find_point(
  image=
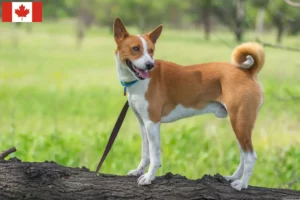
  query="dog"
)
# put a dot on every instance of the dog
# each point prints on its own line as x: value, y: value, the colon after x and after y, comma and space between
x: 161, y: 92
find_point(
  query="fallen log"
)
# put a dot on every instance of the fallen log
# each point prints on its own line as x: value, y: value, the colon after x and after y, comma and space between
x: 48, y: 180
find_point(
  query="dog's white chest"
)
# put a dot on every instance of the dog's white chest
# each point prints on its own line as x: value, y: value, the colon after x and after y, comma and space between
x: 136, y: 98
x: 181, y: 112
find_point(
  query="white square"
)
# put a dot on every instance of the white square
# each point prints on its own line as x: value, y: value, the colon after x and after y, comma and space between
x: 16, y: 18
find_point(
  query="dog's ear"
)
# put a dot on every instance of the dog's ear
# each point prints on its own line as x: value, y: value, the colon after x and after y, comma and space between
x: 120, y: 31
x: 154, y: 35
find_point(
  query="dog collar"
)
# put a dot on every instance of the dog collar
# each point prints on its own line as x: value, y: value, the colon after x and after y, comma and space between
x: 127, y: 85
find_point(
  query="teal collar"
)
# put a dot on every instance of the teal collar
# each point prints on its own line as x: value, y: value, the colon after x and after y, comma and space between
x: 127, y: 85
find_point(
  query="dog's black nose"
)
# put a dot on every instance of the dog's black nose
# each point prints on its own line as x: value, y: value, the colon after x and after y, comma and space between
x: 149, y: 65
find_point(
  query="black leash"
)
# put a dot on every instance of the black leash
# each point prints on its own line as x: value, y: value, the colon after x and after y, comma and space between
x: 113, y: 134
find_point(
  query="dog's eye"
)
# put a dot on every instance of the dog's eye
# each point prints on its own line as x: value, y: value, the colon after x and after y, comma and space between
x: 150, y: 50
x: 136, y: 48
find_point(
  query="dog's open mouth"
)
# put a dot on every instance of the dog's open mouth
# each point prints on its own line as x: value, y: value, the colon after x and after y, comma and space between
x: 140, y: 73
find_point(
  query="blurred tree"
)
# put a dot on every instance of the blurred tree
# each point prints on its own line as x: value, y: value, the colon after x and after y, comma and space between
x: 202, y: 11
x: 86, y: 13
x: 281, y: 14
x: 231, y: 14
x: 240, y: 15
x: 55, y: 9
x: 132, y: 12
x: 261, y: 5
x: 294, y: 24
x: 173, y: 12
x: 177, y: 13
x: 206, y: 9
x: 293, y: 17
x: 276, y: 11
x: 146, y: 14
x: 84, y: 20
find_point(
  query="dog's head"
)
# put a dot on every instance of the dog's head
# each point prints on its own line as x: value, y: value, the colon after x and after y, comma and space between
x: 136, y: 51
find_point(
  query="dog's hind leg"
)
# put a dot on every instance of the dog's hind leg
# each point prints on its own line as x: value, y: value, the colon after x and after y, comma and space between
x: 242, y: 120
x: 239, y: 171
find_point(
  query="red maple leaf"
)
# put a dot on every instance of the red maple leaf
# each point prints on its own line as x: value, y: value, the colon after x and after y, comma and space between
x: 22, y: 12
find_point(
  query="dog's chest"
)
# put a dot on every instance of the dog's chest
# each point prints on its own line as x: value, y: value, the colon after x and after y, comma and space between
x: 136, y: 97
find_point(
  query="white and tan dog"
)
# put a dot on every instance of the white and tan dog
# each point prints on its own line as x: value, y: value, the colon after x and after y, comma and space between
x: 166, y: 92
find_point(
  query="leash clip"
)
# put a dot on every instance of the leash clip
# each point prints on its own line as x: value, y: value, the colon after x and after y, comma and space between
x: 127, y: 85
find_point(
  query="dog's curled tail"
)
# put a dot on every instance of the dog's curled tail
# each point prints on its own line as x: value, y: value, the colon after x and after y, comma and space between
x: 250, y: 56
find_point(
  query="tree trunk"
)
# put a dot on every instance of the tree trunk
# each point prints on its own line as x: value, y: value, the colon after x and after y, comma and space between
x: 260, y: 21
x: 85, y: 19
x: 280, y: 29
x: 240, y: 13
x: 175, y: 18
x: 278, y: 20
x: 21, y: 180
x: 80, y: 31
x: 205, y: 15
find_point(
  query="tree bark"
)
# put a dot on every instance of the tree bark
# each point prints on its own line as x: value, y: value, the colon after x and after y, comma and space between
x: 280, y: 29
x: 260, y: 21
x: 278, y: 20
x: 240, y: 14
x: 85, y: 18
x: 205, y: 16
x: 48, y: 180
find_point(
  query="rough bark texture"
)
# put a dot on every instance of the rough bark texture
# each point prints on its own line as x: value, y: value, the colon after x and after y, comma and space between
x: 48, y: 180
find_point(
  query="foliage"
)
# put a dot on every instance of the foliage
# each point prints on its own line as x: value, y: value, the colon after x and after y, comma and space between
x: 260, y: 3
x: 175, y: 13
x: 289, y: 15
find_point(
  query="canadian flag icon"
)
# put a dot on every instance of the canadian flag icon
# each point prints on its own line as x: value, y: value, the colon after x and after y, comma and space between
x: 22, y: 12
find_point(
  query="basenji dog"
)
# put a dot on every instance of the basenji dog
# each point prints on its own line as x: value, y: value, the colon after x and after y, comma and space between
x: 161, y: 92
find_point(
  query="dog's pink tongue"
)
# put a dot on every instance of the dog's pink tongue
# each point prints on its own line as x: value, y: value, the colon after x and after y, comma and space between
x: 142, y: 73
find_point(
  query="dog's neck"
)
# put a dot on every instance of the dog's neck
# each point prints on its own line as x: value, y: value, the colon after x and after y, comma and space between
x: 124, y: 74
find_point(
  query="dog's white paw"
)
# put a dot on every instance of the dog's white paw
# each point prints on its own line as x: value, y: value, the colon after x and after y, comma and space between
x: 145, y: 179
x: 135, y: 172
x: 239, y: 185
x: 231, y: 178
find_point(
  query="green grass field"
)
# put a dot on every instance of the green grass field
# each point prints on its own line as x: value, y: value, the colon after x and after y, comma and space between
x: 60, y: 103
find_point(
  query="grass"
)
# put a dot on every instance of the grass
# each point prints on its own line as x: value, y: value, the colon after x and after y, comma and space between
x: 60, y: 103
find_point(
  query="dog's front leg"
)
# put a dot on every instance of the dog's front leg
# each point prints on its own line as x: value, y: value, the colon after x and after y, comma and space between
x: 153, y: 136
x: 145, y: 153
